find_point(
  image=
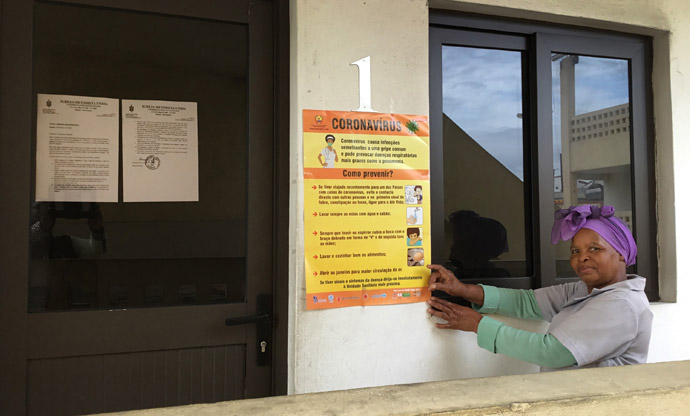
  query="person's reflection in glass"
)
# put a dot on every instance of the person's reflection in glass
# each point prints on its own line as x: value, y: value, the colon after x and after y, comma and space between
x: 59, y: 285
x: 476, y: 241
x: 45, y: 245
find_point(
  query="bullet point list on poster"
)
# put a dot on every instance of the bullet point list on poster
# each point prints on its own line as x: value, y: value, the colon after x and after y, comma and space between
x: 354, y: 214
x: 352, y: 255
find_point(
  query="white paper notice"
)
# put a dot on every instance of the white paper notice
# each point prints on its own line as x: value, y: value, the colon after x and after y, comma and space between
x: 76, y: 148
x: 160, y: 159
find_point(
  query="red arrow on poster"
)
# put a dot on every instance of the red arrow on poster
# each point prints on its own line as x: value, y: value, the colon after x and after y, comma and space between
x: 316, y: 274
x: 315, y: 214
x: 315, y: 256
x: 315, y: 233
x: 313, y: 187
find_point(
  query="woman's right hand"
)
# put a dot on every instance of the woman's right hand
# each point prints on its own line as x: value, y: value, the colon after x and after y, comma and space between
x: 444, y: 280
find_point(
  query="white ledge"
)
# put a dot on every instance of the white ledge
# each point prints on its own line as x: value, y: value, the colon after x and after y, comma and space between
x: 662, y: 388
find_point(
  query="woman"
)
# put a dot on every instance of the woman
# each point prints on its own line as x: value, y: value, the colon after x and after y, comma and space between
x: 603, y: 320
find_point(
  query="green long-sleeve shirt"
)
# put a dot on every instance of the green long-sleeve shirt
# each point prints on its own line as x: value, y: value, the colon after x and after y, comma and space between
x: 542, y: 349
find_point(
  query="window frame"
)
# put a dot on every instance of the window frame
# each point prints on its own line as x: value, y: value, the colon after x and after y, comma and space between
x: 537, y: 41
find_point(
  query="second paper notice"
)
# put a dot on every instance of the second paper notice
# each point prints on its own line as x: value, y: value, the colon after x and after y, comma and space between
x: 159, y: 151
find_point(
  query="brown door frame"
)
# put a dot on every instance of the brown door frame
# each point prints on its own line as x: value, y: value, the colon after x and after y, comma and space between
x: 16, y: 21
x: 281, y: 180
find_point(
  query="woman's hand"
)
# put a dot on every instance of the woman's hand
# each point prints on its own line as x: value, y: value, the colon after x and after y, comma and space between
x: 457, y: 317
x: 444, y: 280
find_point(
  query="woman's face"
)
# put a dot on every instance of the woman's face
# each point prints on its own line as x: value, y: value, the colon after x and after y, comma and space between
x: 595, y: 261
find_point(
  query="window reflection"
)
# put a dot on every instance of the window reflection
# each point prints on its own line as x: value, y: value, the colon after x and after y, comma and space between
x: 125, y: 255
x: 591, y: 131
x: 45, y: 244
x: 483, y: 162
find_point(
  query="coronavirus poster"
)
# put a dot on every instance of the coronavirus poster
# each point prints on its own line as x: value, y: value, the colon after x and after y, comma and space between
x: 366, y: 208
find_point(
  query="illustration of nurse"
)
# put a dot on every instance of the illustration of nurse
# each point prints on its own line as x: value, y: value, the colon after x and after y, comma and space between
x: 329, y: 154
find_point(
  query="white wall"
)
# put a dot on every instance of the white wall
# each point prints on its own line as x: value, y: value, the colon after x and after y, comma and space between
x: 359, y: 347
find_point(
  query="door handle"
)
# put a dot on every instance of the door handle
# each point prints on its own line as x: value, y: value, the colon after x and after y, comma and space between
x: 264, y: 328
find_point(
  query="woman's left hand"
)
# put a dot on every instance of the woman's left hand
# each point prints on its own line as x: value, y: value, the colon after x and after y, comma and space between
x: 457, y: 317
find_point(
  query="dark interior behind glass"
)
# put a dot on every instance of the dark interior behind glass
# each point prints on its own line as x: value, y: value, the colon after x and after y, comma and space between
x: 153, y: 254
x: 483, y: 164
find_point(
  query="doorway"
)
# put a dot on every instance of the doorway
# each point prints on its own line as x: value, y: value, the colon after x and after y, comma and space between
x: 136, y: 300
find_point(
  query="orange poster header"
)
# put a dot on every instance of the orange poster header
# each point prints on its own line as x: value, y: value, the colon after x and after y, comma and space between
x: 385, y: 124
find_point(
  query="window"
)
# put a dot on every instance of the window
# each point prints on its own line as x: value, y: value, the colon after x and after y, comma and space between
x: 156, y: 253
x: 504, y: 95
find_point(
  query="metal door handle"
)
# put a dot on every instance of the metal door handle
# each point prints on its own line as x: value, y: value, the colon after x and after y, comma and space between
x: 264, y: 328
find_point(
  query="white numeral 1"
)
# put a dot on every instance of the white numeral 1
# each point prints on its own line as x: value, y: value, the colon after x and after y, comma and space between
x: 364, y: 66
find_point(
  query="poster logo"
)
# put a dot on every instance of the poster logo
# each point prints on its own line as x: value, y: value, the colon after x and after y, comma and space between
x: 382, y: 295
x: 317, y: 123
x: 412, y: 126
x: 131, y: 108
x: 49, y: 103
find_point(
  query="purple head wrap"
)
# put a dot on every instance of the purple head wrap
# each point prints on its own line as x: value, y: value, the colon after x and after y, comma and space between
x: 601, y: 220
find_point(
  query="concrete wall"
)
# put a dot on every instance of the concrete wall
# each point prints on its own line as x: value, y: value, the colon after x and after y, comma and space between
x: 359, y: 347
x: 637, y: 390
x: 600, y: 153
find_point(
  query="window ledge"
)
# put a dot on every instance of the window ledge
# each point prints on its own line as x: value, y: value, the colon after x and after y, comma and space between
x: 662, y: 388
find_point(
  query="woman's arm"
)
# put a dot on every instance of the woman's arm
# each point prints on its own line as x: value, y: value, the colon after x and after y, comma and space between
x: 541, y: 349
x: 492, y: 335
x: 486, y: 299
x: 519, y: 303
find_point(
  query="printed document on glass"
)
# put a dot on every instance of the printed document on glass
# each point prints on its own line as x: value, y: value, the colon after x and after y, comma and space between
x: 76, y: 148
x: 159, y: 151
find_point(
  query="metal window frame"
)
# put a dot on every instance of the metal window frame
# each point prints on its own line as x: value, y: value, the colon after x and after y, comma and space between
x: 538, y: 40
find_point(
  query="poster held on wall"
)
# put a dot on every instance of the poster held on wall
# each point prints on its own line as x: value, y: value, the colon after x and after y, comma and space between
x: 367, y: 212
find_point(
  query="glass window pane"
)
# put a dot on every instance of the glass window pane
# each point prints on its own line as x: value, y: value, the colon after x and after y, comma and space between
x: 484, y: 185
x: 155, y: 254
x: 591, y: 131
